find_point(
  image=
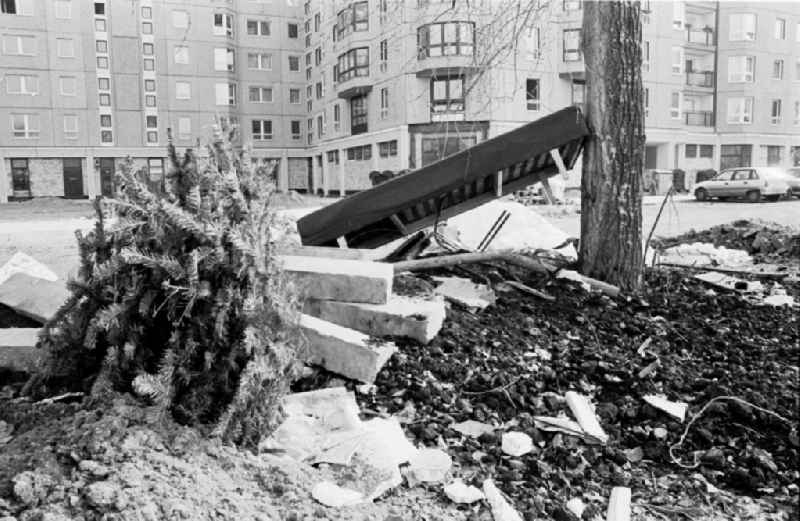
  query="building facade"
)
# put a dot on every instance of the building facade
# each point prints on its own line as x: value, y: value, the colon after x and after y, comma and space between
x: 327, y: 92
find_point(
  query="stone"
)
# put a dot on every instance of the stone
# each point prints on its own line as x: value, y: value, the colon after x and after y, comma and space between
x: 516, y: 444
x: 31, y: 487
x: 332, y: 495
x: 428, y: 465
x: 415, y: 318
x: 340, y: 279
x: 23, y: 263
x: 33, y: 297
x: 472, y: 428
x: 18, y: 349
x: 344, y: 351
x: 458, y: 492
x: 101, y: 494
x: 501, y: 509
x: 465, y: 292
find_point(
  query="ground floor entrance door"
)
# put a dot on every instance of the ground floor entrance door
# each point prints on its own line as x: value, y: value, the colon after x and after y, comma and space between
x: 73, y: 177
x: 107, y: 176
x: 20, y: 178
x: 650, y: 157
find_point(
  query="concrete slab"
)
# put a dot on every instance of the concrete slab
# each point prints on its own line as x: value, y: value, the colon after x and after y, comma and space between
x: 18, y: 349
x: 340, y: 279
x: 343, y: 350
x: 415, y: 318
x: 328, y: 252
x: 33, y: 297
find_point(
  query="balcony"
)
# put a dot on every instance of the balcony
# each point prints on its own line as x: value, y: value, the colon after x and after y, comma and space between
x: 443, y: 66
x: 701, y: 118
x: 702, y: 79
x: 700, y: 38
x: 572, y: 69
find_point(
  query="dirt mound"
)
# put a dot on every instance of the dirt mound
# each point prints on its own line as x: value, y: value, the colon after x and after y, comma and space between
x: 765, y: 241
x: 110, y: 462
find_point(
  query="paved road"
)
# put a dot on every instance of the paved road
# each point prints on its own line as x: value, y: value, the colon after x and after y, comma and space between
x: 684, y: 215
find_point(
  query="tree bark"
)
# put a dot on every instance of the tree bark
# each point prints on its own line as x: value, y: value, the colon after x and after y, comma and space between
x: 611, y: 202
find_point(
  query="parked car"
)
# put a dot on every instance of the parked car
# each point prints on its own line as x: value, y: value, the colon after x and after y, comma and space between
x: 793, y: 179
x: 751, y: 183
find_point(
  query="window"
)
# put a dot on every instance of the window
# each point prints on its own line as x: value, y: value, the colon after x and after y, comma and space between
x: 261, y: 129
x: 797, y: 70
x: 149, y: 64
x: 384, y: 54
x: 18, y: 7
x: 316, y: 23
x: 223, y: 25
x: 317, y: 56
x: 777, y: 70
x: 774, y: 155
x: 294, y: 63
x: 180, y: 19
x: 294, y: 96
x: 184, y: 128
x: 797, y: 112
x: 155, y: 169
x: 387, y: 148
x: 152, y: 137
x: 675, y: 105
x: 578, y: 92
x: 706, y: 151
x: 572, y: 5
x: 100, y: 25
x: 355, y: 17
x: 68, y: 85
x: 308, y: 59
x: 677, y: 60
x: 780, y: 29
x: 65, y: 47
x: 353, y: 63
x: 360, y: 153
x: 691, y: 151
x: 572, y: 45
x: 308, y: 40
x: 147, y: 28
x: 106, y: 136
x: 259, y: 61
x: 147, y: 49
x: 320, y: 90
x: 181, y: 53
x: 70, y: 126
x: 309, y: 91
x: 678, y: 14
x: 358, y: 115
x: 18, y: 44
x: 257, y: 28
x: 646, y: 102
x: 337, y: 117
x: 151, y: 121
x: 223, y: 59
x: 25, y: 125
x: 63, y: 9
x: 308, y: 74
x: 295, y: 128
x: 292, y: 30
x: 532, y: 94
x: 183, y: 90
x: 105, y: 120
x: 447, y: 95
x: 740, y: 110
x: 307, y: 26
x: 101, y: 46
x: 742, y: 27
x: 775, y: 112
x: 741, y: 69
x: 149, y: 100
x: 646, y: 56
x: 103, y: 83
x: 105, y: 100
x: 22, y: 84
x: 333, y: 156
x: 446, y: 39
x: 320, y: 126
x: 147, y: 13
x: 260, y: 94
x: 384, y: 103
x: 149, y: 85
x: 225, y: 93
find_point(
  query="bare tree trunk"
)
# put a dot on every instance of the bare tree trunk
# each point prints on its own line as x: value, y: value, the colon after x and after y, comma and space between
x: 611, y: 203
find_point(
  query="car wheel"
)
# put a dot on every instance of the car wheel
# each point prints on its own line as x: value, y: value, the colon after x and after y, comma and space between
x: 754, y: 196
x: 701, y: 194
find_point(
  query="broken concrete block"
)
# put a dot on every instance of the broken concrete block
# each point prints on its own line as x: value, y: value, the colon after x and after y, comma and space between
x: 18, y: 349
x: 33, y: 297
x: 24, y: 263
x: 401, y: 316
x: 340, y: 279
x: 344, y: 350
x: 465, y: 292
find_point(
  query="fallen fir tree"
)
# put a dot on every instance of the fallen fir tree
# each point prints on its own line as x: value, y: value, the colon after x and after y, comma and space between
x: 180, y: 301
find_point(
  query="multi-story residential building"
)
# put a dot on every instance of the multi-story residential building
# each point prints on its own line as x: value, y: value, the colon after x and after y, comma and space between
x: 327, y: 91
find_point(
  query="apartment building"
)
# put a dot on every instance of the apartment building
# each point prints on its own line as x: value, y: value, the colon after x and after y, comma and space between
x: 326, y: 92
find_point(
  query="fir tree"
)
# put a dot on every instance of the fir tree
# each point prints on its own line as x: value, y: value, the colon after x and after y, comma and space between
x: 180, y: 301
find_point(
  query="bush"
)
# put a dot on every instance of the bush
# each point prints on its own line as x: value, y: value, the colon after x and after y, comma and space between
x: 180, y: 301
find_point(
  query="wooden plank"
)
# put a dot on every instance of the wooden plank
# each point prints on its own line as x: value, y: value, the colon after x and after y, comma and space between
x: 362, y: 210
x: 548, y: 192
x: 556, y: 155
